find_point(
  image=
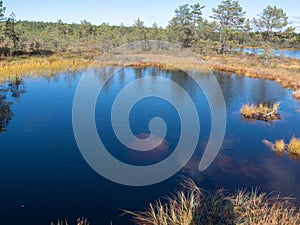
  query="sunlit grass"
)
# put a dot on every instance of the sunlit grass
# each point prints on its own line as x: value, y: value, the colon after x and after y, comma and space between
x: 195, y: 207
x: 279, y: 145
x: 39, y: 67
x: 180, y: 209
x: 285, y: 71
x: 248, y: 110
x: 254, y: 208
x: 294, y: 146
x: 296, y: 94
x: 261, y: 111
x: 275, y: 106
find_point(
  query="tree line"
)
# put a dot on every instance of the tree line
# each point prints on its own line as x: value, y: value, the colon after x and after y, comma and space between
x: 225, y: 31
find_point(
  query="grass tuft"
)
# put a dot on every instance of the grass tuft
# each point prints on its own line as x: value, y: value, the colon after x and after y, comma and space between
x: 294, y: 146
x: 261, y: 111
x: 193, y: 207
x: 279, y: 145
x: 80, y: 221
x: 248, y: 110
x: 179, y: 209
x: 296, y: 94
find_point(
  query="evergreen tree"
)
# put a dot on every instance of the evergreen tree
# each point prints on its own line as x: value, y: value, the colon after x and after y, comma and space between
x: 271, y: 18
x: 230, y: 17
x: 10, y: 30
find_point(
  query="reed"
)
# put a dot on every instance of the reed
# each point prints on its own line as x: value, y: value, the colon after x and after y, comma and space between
x: 80, y: 221
x: 248, y: 110
x: 193, y: 206
x: 35, y: 67
x: 284, y: 71
x: 261, y: 111
x: 279, y: 145
x: 294, y: 146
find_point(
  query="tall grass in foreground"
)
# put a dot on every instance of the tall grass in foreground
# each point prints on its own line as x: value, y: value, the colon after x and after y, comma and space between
x: 179, y: 210
x: 195, y: 207
x: 81, y: 221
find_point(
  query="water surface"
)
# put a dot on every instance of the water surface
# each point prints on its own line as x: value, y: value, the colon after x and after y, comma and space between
x: 44, y: 177
x: 279, y: 53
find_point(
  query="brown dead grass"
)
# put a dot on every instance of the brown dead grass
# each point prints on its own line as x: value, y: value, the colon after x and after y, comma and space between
x: 284, y: 71
x: 261, y: 111
x: 294, y: 146
x: 296, y: 94
x: 279, y: 145
x: 38, y: 66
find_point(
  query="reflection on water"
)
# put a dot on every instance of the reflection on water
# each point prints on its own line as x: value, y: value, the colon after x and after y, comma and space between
x: 5, y: 113
x: 44, y: 177
x: 15, y: 89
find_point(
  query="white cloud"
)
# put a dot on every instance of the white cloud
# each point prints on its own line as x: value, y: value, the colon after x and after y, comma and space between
x: 294, y: 21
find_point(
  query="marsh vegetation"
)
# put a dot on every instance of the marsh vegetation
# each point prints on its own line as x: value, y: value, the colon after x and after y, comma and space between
x: 35, y: 48
x: 43, y: 49
x: 196, y: 206
x: 261, y: 111
x: 292, y: 147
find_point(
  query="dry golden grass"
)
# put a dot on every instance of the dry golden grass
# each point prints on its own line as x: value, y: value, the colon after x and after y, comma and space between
x: 253, y: 208
x: 294, y: 146
x: 279, y: 145
x: 296, y: 94
x: 46, y: 66
x: 80, y: 221
x: 179, y: 209
x: 39, y: 67
x: 261, y: 111
x: 285, y: 71
x: 275, y: 106
x: 185, y: 61
x: 195, y: 207
x: 248, y: 109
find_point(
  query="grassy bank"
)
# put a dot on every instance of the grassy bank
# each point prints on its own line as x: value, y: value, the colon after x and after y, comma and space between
x: 282, y: 70
x: 285, y: 71
x: 39, y: 66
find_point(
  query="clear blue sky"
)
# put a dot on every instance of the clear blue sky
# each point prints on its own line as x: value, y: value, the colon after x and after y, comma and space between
x: 116, y: 11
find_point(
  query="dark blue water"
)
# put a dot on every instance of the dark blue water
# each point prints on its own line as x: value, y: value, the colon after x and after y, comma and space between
x: 44, y: 177
x: 279, y: 53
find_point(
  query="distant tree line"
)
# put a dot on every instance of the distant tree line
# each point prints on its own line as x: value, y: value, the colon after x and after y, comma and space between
x: 226, y: 31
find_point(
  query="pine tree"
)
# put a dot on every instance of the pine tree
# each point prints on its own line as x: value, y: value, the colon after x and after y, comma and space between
x: 230, y: 17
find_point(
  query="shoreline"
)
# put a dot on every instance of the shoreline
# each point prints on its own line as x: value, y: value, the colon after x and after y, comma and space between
x: 285, y: 71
